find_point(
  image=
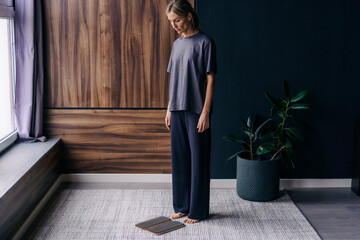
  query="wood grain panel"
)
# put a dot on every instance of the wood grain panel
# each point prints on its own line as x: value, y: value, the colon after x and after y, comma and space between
x: 111, y: 141
x: 107, y: 53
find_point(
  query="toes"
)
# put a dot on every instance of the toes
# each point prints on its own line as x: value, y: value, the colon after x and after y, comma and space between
x: 190, y: 221
x: 177, y: 215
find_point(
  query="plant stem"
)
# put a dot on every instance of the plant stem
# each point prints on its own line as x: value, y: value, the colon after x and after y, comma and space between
x: 284, y: 118
x: 282, y: 127
x: 251, y: 149
x: 277, y: 153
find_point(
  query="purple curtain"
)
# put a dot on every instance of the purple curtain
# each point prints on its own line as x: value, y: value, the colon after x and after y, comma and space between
x: 29, y: 70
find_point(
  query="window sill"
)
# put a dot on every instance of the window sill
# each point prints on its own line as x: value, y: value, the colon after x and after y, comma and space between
x: 19, y: 159
x: 27, y: 172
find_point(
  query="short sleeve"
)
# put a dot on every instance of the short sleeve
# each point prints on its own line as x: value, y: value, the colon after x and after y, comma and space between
x: 170, y: 60
x: 169, y: 66
x: 210, y: 57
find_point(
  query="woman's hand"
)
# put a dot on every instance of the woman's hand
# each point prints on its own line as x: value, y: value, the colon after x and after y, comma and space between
x: 203, y: 123
x: 167, y: 119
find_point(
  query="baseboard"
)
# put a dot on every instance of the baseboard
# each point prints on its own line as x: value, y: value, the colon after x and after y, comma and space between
x: 115, y: 177
x: 214, y: 183
x: 316, y: 183
x: 25, y: 226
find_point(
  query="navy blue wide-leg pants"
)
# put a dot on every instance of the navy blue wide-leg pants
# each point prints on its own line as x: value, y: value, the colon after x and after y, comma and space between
x: 190, y: 161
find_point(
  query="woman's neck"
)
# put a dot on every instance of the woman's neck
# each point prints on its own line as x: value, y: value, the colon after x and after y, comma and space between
x: 190, y: 32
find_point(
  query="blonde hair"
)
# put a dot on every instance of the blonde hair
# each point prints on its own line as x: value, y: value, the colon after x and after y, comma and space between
x: 183, y: 8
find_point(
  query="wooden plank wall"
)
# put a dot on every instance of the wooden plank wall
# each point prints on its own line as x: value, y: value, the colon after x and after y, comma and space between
x: 109, y: 141
x: 106, y: 86
x: 107, y: 53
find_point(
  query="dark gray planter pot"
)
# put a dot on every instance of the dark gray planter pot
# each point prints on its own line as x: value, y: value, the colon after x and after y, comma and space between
x: 257, y: 180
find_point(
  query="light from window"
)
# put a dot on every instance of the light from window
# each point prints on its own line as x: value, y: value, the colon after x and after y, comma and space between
x: 7, y: 79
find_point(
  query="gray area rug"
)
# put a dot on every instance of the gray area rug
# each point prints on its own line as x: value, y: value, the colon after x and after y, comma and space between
x: 113, y: 213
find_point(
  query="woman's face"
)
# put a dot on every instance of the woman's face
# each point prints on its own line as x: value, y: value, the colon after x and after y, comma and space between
x: 181, y: 24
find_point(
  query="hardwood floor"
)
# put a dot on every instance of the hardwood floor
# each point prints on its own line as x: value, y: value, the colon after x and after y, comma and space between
x: 333, y: 212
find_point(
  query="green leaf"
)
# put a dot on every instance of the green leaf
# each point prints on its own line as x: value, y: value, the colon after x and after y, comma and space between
x: 288, y: 144
x: 251, y: 121
x: 294, y: 133
x: 283, y: 115
x: 282, y: 139
x: 299, y: 96
x: 235, y: 154
x: 283, y: 158
x: 262, y: 151
x: 286, y: 89
x: 266, y: 148
x: 300, y: 106
x: 283, y: 104
x: 232, y: 138
x: 244, y: 122
x: 272, y: 99
x: 267, y: 136
x: 260, y: 128
x: 274, y: 110
x: 288, y: 156
x: 250, y: 134
x: 286, y: 159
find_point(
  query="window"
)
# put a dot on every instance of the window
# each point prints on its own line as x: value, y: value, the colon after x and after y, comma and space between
x: 8, y: 132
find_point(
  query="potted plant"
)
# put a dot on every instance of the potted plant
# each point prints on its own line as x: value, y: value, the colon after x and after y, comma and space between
x: 265, y: 144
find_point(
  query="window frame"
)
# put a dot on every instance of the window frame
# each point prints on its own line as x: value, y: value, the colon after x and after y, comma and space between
x: 12, y: 136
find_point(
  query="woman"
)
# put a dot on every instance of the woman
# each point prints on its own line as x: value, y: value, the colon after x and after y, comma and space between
x: 192, y: 67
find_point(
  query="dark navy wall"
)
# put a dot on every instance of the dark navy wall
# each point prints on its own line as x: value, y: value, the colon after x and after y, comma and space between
x: 314, y: 45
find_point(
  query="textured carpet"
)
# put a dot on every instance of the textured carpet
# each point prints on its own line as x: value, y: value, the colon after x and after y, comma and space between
x: 112, y: 214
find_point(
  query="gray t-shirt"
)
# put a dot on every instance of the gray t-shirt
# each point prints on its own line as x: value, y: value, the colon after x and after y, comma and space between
x: 192, y: 58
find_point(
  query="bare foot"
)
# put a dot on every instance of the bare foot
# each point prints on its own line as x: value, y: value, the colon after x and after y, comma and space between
x: 189, y: 220
x: 177, y: 215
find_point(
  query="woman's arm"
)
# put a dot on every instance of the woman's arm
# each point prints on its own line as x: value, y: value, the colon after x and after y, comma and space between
x: 168, y: 117
x: 204, y: 120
